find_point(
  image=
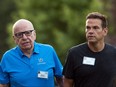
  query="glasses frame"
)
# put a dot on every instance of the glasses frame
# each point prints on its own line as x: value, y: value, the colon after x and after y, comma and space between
x: 27, y: 33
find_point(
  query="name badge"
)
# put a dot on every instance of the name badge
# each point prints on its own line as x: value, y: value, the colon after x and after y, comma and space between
x: 42, y: 74
x: 88, y: 60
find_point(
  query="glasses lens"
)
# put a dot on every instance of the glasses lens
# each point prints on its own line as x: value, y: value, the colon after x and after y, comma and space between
x: 28, y: 33
x: 20, y: 34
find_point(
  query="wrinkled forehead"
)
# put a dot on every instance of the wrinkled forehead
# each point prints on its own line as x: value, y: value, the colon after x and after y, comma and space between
x: 21, y: 26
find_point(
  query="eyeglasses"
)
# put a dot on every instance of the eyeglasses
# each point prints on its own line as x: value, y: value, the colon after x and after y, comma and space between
x: 27, y: 33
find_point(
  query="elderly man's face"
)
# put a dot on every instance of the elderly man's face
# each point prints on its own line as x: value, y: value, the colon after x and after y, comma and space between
x: 24, y: 35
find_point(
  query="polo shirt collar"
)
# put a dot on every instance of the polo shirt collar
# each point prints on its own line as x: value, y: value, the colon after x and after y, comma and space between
x: 35, y: 50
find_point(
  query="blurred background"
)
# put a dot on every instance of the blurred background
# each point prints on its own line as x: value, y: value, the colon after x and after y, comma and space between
x: 60, y: 23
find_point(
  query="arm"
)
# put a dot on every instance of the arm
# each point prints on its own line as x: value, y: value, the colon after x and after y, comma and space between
x: 68, y: 82
x: 59, y: 81
x: 4, y: 85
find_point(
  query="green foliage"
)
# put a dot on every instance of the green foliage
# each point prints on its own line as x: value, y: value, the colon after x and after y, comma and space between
x: 60, y: 23
x: 57, y: 22
x: 6, y: 9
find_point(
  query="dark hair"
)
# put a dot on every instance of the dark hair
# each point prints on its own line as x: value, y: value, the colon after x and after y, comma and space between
x: 97, y: 15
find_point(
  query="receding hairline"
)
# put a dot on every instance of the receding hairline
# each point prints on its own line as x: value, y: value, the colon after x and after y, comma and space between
x: 19, y: 22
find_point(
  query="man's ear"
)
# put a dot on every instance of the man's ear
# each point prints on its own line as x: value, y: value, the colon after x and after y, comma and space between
x: 35, y: 35
x: 14, y: 39
x: 105, y: 31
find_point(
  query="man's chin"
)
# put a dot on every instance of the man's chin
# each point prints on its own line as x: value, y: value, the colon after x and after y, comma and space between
x: 91, y: 41
x: 26, y: 48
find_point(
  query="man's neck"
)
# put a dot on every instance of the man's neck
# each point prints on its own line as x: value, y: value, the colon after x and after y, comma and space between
x: 28, y: 53
x: 96, y: 47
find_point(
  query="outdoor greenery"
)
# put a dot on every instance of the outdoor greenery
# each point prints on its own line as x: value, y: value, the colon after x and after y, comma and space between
x: 60, y: 23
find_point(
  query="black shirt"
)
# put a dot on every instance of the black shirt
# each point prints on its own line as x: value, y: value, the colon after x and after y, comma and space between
x: 91, y: 69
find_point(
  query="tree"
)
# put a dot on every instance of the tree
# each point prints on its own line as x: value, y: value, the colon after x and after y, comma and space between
x: 60, y: 23
x: 109, y: 7
x: 7, y: 7
x: 57, y: 22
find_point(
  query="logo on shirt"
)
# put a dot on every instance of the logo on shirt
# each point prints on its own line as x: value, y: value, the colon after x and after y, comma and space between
x: 41, y: 61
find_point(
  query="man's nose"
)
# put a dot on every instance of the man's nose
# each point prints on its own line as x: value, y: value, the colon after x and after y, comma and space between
x: 24, y: 35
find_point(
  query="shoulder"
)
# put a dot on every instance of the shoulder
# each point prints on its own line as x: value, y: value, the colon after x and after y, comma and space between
x: 12, y: 50
x: 43, y: 46
x: 78, y: 47
x: 109, y: 46
x: 8, y: 54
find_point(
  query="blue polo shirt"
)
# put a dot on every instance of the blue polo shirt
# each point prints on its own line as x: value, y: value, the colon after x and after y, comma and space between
x: 21, y: 71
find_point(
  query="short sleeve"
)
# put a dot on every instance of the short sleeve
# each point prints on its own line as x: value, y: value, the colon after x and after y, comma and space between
x: 4, y: 77
x: 69, y: 66
x: 58, y: 66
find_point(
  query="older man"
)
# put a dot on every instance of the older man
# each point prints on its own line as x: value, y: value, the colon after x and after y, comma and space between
x: 29, y: 64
